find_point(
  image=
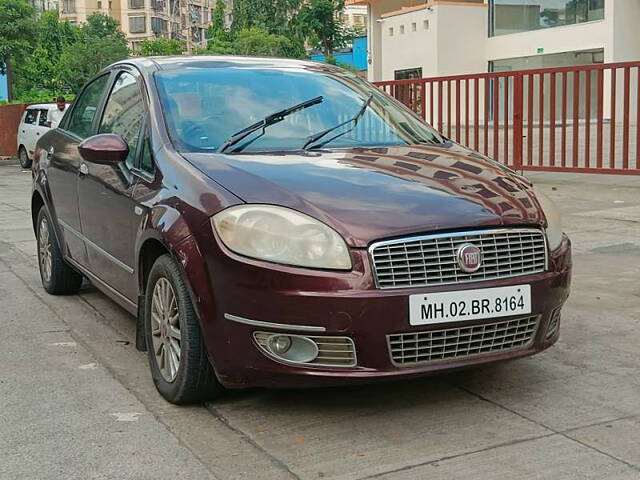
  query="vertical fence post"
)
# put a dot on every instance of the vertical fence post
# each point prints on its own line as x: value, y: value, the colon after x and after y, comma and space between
x: 518, y: 116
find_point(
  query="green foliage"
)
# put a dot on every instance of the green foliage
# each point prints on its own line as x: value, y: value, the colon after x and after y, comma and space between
x: 99, y: 43
x: 39, y: 70
x: 322, y: 27
x: 17, y: 29
x: 217, y: 30
x: 254, y: 41
x: 161, y: 46
x: 219, y: 47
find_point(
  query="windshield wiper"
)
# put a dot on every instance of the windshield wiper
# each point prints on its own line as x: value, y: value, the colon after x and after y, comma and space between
x: 265, y: 122
x: 315, y: 137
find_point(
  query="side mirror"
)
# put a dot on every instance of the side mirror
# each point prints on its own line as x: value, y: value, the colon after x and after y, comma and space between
x: 104, y: 149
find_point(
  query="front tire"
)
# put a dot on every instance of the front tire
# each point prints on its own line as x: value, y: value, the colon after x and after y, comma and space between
x: 57, y: 277
x: 23, y: 157
x: 178, y: 359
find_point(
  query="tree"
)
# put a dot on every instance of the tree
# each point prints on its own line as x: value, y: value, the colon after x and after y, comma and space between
x: 17, y: 27
x: 319, y: 20
x: 40, y: 68
x: 217, y: 28
x: 254, y: 41
x: 161, y: 46
x: 99, y: 44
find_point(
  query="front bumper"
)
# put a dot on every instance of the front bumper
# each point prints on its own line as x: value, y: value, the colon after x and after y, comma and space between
x: 345, y: 304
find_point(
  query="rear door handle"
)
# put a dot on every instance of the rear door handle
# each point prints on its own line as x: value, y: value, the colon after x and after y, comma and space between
x: 84, y: 169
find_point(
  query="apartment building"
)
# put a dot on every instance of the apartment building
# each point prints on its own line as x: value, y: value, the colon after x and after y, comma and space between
x: 355, y: 16
x: 147, y: 19
x: 414, y: 38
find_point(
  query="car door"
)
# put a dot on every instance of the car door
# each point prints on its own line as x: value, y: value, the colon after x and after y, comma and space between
x: 107, y: 210
x: 64, y: 163
x: 27, y: 132
x: 41, y: 127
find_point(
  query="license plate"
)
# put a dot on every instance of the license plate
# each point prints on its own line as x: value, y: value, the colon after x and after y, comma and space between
x: 444, y: 307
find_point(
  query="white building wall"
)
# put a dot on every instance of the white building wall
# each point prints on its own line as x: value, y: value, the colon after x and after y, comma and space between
x: 457, y: 40
x: 461, y: 28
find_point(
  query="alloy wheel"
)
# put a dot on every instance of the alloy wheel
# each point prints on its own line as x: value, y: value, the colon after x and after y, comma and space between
x: 44, y: 250
x: 165, y: 329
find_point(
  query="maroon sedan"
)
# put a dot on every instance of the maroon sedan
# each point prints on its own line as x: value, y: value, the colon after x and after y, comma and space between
x: 284, y: 223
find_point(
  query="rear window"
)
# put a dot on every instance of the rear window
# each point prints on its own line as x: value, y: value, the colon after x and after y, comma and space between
x: 31, y: 116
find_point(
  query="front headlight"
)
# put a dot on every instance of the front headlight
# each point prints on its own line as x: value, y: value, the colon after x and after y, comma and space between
x: 552, y: 214
x: 281, y: 235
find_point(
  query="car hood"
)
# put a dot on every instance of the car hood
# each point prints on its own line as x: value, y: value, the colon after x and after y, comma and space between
x: 369, y: 194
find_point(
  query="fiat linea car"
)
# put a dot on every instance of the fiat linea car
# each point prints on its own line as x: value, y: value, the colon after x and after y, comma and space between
x: 284, y: 223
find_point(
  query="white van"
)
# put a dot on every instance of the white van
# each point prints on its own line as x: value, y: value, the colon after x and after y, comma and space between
x: 35, y: 123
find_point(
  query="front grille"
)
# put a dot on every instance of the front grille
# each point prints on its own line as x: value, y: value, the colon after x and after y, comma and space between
x: 431, y: 259
x: 409, y: 349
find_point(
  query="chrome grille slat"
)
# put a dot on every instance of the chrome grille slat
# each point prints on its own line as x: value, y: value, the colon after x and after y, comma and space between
x: 407, y: 349
x: 431, y: 260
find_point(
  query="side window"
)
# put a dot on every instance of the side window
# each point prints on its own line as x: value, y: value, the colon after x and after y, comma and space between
x: 146, y: 156
x: 42, y: 121
x: 124, y: 112
x: 85, y: 108
x: 30, y: 117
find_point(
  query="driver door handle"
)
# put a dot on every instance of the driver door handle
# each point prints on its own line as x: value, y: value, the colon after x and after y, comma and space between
x: 84, y: 169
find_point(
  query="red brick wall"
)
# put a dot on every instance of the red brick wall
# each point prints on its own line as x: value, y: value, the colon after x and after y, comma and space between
x: 10, y: 116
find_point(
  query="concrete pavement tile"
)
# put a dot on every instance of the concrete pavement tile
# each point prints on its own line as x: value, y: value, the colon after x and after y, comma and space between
x: 554, y: 457
x: 89, y: 428
x: 21, y: 234
x: 630, y: 213
x: 365, y: 430
x: 570, y: 402
x: 620, y: 439
x: 29, y: 248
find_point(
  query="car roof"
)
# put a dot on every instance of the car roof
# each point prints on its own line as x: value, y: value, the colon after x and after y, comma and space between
x: 220, y: 61
x: 41, y: 106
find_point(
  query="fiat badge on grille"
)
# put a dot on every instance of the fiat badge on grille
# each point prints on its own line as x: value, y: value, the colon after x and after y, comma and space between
x: 469, y: 258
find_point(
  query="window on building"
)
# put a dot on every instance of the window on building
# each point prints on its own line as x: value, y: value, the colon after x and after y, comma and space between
x: 425, y: 24
x: 68, y: 6
x: 99, y: 5
x: 137, y: 24
x: 512, y: 16
x: 391, y: 31
x: 136, y: 4
x: 414, y: 27
x: 402, y: 29
x: 407, y: 73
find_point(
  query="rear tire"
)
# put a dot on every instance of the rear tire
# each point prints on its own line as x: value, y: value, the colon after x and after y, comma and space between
x: 57, y: 277
x: 23, y: 156
x: 178, y: 359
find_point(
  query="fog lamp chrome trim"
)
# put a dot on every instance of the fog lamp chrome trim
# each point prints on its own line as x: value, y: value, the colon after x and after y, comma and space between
x: 332, y: 352
x: 281, y: 326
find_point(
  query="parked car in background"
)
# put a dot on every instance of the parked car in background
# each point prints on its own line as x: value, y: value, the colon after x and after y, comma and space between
x: 35, y: 122
x: 277, y: 222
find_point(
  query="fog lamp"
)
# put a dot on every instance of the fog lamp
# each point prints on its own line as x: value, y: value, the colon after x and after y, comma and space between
x: 280, y: 344
x: 291, y: 348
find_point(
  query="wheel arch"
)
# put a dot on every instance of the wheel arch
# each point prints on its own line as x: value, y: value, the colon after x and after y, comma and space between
x: 37, y: 202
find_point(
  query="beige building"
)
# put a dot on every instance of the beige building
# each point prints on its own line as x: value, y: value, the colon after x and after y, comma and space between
x: 147, y: 19
x: 355, y: 16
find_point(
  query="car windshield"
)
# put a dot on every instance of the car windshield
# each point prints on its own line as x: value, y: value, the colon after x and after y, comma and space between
x: 204, y: 107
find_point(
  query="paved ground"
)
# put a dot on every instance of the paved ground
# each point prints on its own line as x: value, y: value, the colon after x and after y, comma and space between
x: 77, y: 402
